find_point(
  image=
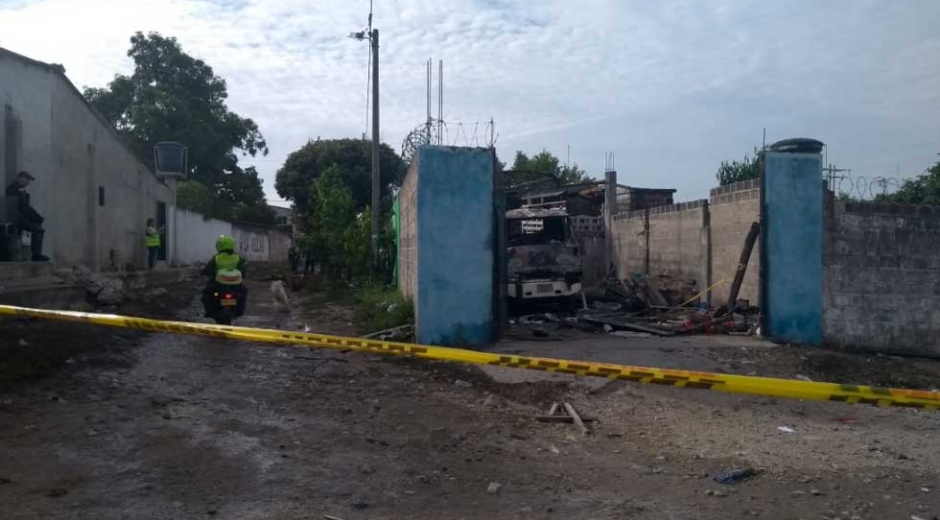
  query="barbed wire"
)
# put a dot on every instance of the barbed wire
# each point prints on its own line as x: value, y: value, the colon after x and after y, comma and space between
x: 471, y: 135
x: 864, y: 188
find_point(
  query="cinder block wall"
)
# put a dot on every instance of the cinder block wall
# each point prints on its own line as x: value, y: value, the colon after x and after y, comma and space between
x: 678, y: 244
x: 629, y: 236
x: 733, y: 208
x: 673, y: 238
x: 447, y: 251
x: 408, y: 238
x: 699, y: 240
x: 881, y: 277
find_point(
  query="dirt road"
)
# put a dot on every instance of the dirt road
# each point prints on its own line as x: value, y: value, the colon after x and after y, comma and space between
x: 176, y: 427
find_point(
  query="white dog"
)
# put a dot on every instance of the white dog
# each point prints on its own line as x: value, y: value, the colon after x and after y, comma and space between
x: 280, y: 295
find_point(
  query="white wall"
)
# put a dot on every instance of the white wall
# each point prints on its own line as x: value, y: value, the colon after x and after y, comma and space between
x: 196, y: 236
x: 73, y: 153
x: 253, y: 243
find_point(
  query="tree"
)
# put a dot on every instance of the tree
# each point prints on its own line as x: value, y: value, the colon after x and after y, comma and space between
x: 337, y: 236
x: 194, y: 196
x: 925, y: 189
x: 332, y: 212
x: 172, y: 96
x: 353, y: 161
x: 748, y: 168
x: 546, y: 163
x: 542, y: 166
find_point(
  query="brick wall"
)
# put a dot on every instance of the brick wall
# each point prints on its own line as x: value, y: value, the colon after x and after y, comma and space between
x: 881, y: 277
x: 733, y: 208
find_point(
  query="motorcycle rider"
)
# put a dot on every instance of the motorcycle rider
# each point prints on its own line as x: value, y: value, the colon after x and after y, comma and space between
x: 226, y: 272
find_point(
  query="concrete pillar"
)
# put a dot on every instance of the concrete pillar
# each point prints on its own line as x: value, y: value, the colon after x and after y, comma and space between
x: 791, y: 242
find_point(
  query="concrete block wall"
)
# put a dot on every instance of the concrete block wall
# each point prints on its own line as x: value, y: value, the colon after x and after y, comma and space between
x: 666, y: 240
x: 629, y: 242
x: 881, y: 277
x: 447, y: 251
x: 733, y: 208
x: 699, y: 240
x: 678, y: 242
x: 408, y: 236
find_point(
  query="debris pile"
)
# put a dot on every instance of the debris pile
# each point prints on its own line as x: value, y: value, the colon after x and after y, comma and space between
x: 639, y: 307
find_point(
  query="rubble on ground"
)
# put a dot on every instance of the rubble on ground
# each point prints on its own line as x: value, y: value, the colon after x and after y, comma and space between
x: 640, y: 306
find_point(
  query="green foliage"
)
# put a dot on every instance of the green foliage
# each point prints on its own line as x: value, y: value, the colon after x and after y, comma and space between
x: 194, y: 196
x: 546, y: 165
x: 332, y: 215
x: 259, y: 214
x: 172, y: 96
x: 748, y: 168
x: 338, y: 237
x: 845, y: 197
x: 352, y: 158
x: 380, y: 308
x: 925, y: 189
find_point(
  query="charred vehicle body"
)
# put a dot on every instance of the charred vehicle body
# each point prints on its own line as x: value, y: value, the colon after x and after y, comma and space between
x: 543, y: 258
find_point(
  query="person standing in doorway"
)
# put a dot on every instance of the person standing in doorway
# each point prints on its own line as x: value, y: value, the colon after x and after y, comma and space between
x: 29, y: 219
x: 153, y: 243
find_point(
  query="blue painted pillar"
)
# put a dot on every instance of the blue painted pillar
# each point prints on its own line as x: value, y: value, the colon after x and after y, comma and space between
x: 791, y: 243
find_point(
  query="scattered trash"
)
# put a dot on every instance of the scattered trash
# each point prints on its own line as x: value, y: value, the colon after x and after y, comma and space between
x: 553, y: 449
x: 733, y: 477
x: 70, y: 361
x: 786, y: 429
x: 564, y: 412
x: 493, y: 488
x: 815, y: 492
x: 23, y: 343
x: 803, y: 378
x: 401, y: 332
x: 462, y: 383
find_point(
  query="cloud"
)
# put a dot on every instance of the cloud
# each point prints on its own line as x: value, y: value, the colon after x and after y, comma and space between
x: 672, y: 87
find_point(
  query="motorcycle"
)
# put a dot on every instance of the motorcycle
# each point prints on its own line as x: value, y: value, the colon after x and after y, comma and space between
x: 225, y: 307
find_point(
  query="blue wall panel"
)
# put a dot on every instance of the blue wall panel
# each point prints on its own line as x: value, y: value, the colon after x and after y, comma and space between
x: 455, y: 246
x: 792, y: 247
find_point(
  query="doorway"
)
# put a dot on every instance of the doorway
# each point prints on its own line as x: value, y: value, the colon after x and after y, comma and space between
x: 161, y: 225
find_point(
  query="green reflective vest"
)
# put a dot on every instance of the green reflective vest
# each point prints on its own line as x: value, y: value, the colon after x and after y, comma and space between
x: 153, y: 238
x: 226, y: 269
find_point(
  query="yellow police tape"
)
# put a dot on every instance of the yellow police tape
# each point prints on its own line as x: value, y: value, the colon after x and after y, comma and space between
x: 762, y: 386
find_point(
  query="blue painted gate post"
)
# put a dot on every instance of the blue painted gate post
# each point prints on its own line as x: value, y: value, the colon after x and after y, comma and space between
x: 791, y: 242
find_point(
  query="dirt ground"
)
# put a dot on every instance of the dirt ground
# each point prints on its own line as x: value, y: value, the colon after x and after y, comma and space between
x: 105, y: 424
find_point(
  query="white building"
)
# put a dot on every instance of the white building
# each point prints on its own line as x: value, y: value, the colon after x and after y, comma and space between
x: 94, y: 193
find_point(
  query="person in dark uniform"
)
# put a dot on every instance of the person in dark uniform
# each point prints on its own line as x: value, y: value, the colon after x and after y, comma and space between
x: 29, y: 219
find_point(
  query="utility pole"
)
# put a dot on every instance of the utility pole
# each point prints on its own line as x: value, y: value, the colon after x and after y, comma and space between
x: 376, y: 181
x: 373, y: 36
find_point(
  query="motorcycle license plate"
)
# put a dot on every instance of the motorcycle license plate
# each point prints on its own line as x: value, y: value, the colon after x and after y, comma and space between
x: 228, y: 303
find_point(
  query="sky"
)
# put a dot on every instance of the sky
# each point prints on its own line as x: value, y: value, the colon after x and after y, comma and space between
x: 670, y: 87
